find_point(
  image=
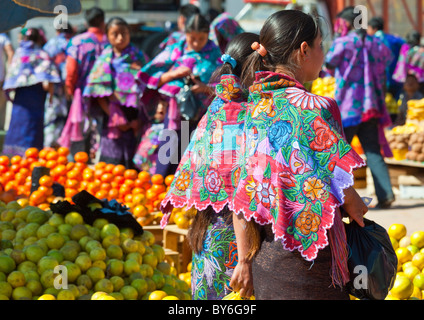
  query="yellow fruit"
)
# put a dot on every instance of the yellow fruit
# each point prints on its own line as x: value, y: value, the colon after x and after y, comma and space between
x: 418, y: 260
x: 397, y: 231
x: 402, y: 288
x: 157, y: 295
x: 405, y: 241
x: 74, y: 218
x: 416, y: 293
x: 419, y: 281
x: 47, y: 297
x: 411, y: 272
x: 417, y: 239
x: 403, y: 254
x: 170, y: 298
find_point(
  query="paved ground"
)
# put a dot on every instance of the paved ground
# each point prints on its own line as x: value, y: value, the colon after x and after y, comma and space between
x: 409, y: 212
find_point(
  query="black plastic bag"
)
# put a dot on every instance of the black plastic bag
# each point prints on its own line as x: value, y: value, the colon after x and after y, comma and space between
x: 372, y: 261
x: 188, y: 104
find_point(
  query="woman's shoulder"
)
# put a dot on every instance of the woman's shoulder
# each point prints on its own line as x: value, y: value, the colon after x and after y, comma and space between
x: 306, y: 100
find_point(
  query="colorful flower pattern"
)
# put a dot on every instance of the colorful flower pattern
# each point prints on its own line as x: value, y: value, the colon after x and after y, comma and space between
x: 209, y: 165
x: 288, y: 163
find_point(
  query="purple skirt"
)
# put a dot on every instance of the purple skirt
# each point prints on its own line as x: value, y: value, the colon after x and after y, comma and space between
x: 27, y: 121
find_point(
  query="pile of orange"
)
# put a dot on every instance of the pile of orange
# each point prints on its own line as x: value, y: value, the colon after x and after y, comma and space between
x: 140, y: 191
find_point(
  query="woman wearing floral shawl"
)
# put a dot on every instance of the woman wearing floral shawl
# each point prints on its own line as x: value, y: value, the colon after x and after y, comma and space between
x: 196, y: 57
x: 206, y: 176
x: 30, y: 69
x: 296, y: 168
x: 112, y: 81
x: 223, y: 29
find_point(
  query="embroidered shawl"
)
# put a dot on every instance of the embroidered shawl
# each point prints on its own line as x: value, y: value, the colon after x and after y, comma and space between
x: 30, y: 65
x: 223, y: 29
x: 208, y: 171
x: 115, y: 75
x: 295, y: 164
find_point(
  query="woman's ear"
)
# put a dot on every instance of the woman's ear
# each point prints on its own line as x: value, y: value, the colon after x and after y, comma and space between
x: 304, y: 50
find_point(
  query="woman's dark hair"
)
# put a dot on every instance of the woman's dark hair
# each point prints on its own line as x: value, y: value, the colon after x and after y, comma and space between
x: 203, y: 219
x: 197, y: 23
x: 116, y: 21
x: 282, y: 35
x: 188, y: 10
x: 32, y: 34
x: 377, y: 23
x: 413, y: 38
x: 239, y: 48
x: 95, y: 17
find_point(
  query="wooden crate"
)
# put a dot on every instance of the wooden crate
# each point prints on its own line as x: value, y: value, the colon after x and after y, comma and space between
x: 173, y: 258
x: 175, y: 239
x: 157, y: 232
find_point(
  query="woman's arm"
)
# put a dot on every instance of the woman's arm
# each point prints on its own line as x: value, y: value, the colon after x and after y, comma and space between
x: 242, y: 279
x: 179, y: 72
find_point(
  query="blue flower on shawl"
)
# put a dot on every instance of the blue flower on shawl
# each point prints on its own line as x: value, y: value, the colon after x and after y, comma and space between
x: 216, y: 105
x: 279, y: 134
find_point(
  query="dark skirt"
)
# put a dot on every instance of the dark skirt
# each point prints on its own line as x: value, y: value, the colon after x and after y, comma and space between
x: 279, y: 274
x: 120, y: 150
x: 27, y: 121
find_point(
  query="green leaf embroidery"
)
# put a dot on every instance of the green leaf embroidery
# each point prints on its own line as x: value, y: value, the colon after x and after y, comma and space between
x: 344, y: 148
x: 267, y: 173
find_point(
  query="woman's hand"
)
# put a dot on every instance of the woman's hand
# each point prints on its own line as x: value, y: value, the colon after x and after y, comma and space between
x: 200, y: 87
x: 242, y: 279
x: 354, y: 206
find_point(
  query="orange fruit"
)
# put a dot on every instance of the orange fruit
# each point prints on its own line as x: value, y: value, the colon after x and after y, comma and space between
x: 52, y: 155
x: 101, y: 194
x: 62, y: 160
x: 140, y: 211
x: 118, y: 170
x: 162, y: 196
x: 137, y: 190
x: 157, y: 179
x: 70, y: 166
x: 124, y: 190
x: 42, y: 154
x: 130, y: 174
x: 81, y: 156
x: 74, y: 174
x: 46, y: 181
x: 139, y: 198
x: 151, y: 195
x: 113, y: 193
x: 100, y: 165
x: 59, y: 170
x: 15, y: 159
x: 63, y: 151
x: 36, y: 198
x: 4, y: 160
x: 51, y: 164
x: 119, y: 180
x: 3, y: 168
x: 144, y: 176
x: 158, y: 188
x: 88, y: 175
x: 10, y: 185
x: 72, y: 183
x: 45, y: 190
x: 15, y: 167
x: 129, y: 183
x: 109, y: 167
x: 70, y: 192
x: 128, y: 198
x: 31, y: 153
x: 169, y: 179
x: 107, y: 177
x: 105, y: 186
x: 138, y: 183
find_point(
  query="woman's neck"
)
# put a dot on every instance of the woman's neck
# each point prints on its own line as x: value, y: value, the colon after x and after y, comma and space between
x: 297, y: 75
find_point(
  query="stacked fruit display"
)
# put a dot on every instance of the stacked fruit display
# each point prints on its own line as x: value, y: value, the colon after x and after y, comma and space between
x: 409, y: 282
x: 415, y: 110
x: 416, y: 147
x: 324, y: 87
x: 46, y: 255
x: 403, y: 141
x: 140, y: 191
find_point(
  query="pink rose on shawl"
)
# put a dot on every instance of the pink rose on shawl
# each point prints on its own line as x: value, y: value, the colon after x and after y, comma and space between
x: 125, y: 81
x: 213, y: 181
x: 25, y: 59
